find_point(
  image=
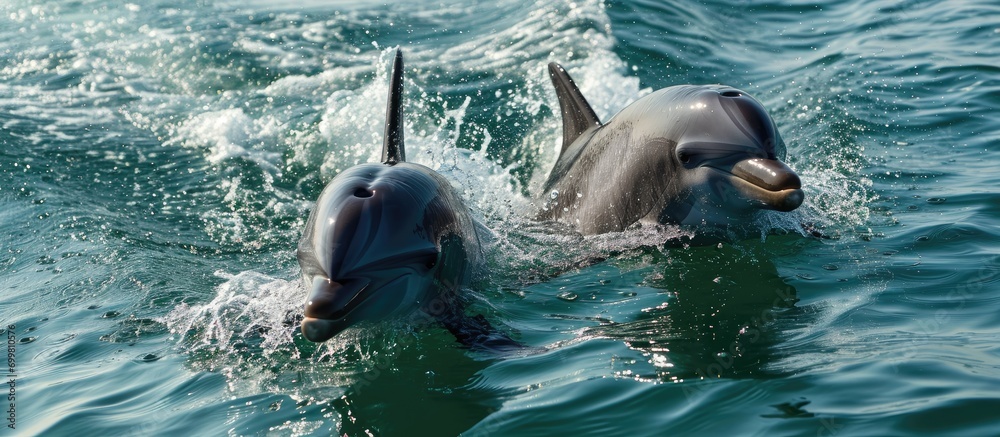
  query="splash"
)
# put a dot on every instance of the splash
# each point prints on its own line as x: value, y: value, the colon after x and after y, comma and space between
x: 254, y: 312
x: 249, y: 333
x: 248, y: 306
x: 231, y: 133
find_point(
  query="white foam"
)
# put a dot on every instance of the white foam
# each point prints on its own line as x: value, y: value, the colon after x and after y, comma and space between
x: 296, y: 86
x: 230, y: 133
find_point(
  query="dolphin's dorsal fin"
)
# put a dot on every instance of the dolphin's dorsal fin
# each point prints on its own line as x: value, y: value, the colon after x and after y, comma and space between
x: 577, y: 115
x: 392, y: 146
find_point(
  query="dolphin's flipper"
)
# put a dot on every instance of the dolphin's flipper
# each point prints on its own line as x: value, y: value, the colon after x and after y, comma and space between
x: 577, y: 114
x: 392, y: 147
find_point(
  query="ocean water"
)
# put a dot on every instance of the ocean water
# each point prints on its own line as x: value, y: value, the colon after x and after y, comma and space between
x: 158, y: 160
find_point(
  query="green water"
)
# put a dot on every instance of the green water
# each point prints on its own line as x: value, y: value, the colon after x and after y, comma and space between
x: 158, y: 161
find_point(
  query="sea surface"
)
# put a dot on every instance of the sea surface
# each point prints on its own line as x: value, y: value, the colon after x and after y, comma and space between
x: 158, y: 160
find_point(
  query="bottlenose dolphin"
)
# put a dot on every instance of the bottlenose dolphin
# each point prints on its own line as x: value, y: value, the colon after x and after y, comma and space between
x: 386, y: 239
x: 687, y: 155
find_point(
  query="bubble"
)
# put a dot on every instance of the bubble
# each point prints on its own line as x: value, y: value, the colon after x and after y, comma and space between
x: 147, y: 358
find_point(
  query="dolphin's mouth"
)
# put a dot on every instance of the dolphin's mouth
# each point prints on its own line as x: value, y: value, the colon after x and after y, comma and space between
x: 767, y: 181
x: 330, y: 305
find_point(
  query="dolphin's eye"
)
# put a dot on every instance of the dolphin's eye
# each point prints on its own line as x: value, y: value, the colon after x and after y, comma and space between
x: 684, y: 157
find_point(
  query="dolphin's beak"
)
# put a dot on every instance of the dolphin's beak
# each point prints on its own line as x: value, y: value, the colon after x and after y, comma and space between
x: 770, y: 182
x: 328, y: 305
x: 320, y: 330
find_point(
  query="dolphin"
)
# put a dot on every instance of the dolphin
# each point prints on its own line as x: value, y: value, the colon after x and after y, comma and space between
x: 386, y: 239
x: 703, y: 155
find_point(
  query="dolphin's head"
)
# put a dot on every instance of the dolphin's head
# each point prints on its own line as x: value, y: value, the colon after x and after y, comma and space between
x: 382, y: 240
x: 727, y: 156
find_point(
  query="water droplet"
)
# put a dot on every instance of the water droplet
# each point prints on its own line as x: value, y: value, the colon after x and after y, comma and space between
x: 568, y: 296
x: 830, y: 267
x: 936, y: 200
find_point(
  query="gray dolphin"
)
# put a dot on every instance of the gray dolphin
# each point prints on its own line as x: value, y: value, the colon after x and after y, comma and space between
x: 687, y: 155
x: 386, y: 239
